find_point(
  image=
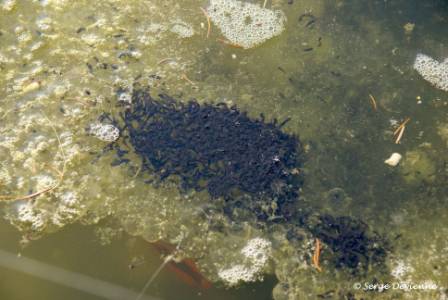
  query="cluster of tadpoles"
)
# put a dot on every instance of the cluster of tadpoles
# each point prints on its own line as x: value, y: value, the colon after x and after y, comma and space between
x: 213, y: 147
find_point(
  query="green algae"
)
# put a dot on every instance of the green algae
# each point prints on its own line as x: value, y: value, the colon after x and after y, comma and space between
x: 418, y: 166
x: 64, y: 60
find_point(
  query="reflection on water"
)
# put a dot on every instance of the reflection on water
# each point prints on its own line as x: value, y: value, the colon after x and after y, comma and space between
x: 84, y: 269
x: 341, y: 70
x: 60, y: 276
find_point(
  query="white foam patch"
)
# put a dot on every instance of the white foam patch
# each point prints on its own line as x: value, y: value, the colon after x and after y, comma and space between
x: 28, y: 215
x: 256, y: 256
x: 68, y: 210
x: 433, y: 71
x: 245, y: 24
x: 105, y: 132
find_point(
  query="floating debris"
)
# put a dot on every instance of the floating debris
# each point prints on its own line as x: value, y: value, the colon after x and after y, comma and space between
x: 373, y: 102
x: 408, y: 28
x: 31, y: 87
x: 208, y: 21
x: 316, y: 255
x: 398, y: 133
x: 393, y: 160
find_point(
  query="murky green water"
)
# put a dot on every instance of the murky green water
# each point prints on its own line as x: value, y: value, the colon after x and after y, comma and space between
x: 61, y: 63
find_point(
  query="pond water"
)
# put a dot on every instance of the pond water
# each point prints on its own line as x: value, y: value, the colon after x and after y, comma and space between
x: 79, y: 220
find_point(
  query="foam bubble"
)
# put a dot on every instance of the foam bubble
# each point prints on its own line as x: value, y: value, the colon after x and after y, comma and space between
x: 26, y: 214
x: 105, y: 132
x: 433, y: 71
x: 245, y: 24
x: 256, y: 254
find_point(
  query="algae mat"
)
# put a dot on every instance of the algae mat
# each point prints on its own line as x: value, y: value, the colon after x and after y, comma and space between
x: 77, y: 202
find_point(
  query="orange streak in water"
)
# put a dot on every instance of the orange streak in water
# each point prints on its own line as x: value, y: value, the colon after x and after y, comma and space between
x: 186, y: 270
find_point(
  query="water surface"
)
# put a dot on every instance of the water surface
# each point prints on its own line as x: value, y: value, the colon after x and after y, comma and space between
x: 62, y: 63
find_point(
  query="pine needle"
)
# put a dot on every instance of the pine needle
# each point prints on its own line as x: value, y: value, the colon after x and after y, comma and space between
x: 400, y: 131
x: 373, y: 102
x: 185, y: 77
x: 209, y: 27
x: 401, y: 125
x: 166, y: 60
x: 316, y: 255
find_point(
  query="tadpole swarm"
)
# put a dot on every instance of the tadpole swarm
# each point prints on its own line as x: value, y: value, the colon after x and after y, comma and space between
x: 213, y: 147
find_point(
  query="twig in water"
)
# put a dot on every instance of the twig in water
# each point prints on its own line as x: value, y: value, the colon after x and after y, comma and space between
x: 184, y: 76
x: 138, y: 171
x: 316, y: 255
x: 400, y: 131
x: 373, y: 102
x: 264, y: 4
x: 209, y: 27
x: 401, y: 125
x: 400, y: 135
x: 166, y: 60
